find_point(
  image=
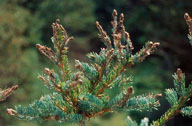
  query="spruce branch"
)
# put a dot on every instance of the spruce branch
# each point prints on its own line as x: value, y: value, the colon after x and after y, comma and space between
x: 80, y: 95
x: 176, y: 103
x: 177, y: 97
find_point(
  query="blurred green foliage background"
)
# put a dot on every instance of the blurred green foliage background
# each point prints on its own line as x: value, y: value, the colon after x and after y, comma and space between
x: 24, y: 23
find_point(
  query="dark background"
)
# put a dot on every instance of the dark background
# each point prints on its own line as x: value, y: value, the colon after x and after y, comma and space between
x: 24, y: 23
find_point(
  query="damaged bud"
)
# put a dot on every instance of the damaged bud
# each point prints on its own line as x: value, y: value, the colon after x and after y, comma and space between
x: 189, y: 22
x: 130, y: 90
x: 11, y: 112
x: 179, y: 74
x: 47, y: 71
x: 48, y: 52
x: 7, y: 92
x: 158, y: 96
